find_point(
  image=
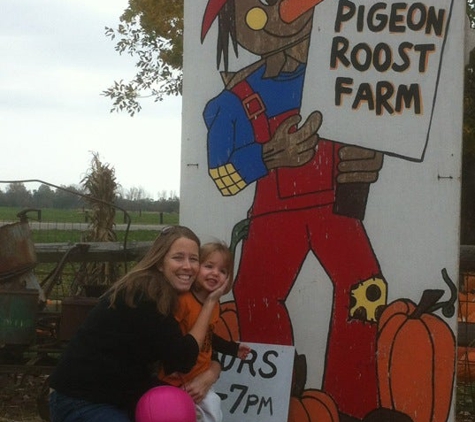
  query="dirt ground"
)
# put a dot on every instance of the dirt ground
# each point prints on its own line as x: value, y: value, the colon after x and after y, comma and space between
x: 19, y: 397
x: 22, y: 399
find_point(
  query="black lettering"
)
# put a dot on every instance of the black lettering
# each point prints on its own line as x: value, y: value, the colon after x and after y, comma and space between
x: 341, y: 87
x: 379, y: 99
x: 345, y: 12
x: 273, y: 367
x: 384, y: 92
x: 364, y: 94
x: 425, y: 50
x: 409, y: 96
x: 380, y: 17
x: 416, y: 16
x: 242, y: 392
x: 396, y: 22
x: 360, y: 19
x: 382, y: 57
x: 265, y: 403
x: 435, y: 21
x: 339, y: 48
x: 403, y: 55
x: 356, y: 56
x: 402, y: 16
x: 227, y: 366
x: 252, y: 400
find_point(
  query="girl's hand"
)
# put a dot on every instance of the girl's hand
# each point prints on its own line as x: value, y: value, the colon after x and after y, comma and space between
x: 243, y: 351
x: 216, y: 294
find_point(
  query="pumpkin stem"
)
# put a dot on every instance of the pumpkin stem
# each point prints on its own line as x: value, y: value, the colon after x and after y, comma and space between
x: 448, y: 307
x: 239, y: 232
x: 428, y: 299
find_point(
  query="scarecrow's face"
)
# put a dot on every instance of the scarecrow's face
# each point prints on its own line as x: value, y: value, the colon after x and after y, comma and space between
x: 261, y: 30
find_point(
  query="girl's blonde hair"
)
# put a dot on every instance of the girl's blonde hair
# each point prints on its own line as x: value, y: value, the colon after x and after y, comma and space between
x: 145, y: 280
x: 208, y: 248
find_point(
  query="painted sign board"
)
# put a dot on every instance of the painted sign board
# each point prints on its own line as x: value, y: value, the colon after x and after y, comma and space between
x: 257, y: 388
x: 342, y: 221
x: 378, y: 63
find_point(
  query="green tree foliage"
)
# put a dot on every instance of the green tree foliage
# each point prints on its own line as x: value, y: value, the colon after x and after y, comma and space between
x: 471, y: 10
x: 45, y: 197
x: 67, y: 198
x: 151, y: 31
x: 18, y: 195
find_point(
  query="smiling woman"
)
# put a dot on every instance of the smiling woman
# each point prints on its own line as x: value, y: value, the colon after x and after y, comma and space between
x: 181, y: 264
x: 108, y: 364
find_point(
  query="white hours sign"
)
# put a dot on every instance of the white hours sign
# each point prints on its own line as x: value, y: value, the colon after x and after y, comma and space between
x: 257, y: 388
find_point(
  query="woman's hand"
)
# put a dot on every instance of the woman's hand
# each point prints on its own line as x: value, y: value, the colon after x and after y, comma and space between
x: 199, y: 386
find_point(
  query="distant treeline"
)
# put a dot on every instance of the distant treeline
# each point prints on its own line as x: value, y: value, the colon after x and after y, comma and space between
x: 69, y: 197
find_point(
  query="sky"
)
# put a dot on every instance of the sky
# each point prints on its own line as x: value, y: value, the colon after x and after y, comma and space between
x: 55, y: 62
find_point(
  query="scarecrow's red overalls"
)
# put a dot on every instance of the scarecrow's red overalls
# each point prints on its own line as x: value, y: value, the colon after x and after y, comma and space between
x: 292, y: 214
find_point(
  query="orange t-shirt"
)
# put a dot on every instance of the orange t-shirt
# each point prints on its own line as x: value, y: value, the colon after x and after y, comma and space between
x: 188, y: 309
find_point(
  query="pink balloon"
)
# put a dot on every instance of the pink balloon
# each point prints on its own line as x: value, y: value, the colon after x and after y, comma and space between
x: 165, y: 404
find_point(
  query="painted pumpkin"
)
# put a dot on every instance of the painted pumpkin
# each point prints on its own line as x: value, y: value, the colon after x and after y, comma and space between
x: 313, y: 406
x: 416, y: 360
x: 228, y: 327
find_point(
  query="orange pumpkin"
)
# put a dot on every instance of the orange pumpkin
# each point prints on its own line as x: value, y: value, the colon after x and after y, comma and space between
x: 313, y: 406
x: 416, y: 360
x: 228, y: 327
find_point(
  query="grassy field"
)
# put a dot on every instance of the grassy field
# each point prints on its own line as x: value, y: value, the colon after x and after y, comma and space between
x: 81, y: 216
x: 63, y: 221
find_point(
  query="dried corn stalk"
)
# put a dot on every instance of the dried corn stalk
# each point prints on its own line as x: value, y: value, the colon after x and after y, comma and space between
x: 101, y: 187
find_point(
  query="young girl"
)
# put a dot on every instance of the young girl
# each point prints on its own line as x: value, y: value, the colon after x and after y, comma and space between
x: 216, y: 268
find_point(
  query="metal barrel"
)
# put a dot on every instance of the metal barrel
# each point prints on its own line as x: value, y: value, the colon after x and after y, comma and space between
x: 17, y: 250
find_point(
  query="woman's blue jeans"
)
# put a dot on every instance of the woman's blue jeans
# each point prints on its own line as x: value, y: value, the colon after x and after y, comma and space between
x: 69, y: 409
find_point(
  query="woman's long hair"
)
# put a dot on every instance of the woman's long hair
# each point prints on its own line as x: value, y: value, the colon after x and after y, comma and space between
x: 145, y: 280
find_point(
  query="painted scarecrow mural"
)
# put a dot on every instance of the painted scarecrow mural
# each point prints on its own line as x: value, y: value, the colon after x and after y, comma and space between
x: 321, y: 140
